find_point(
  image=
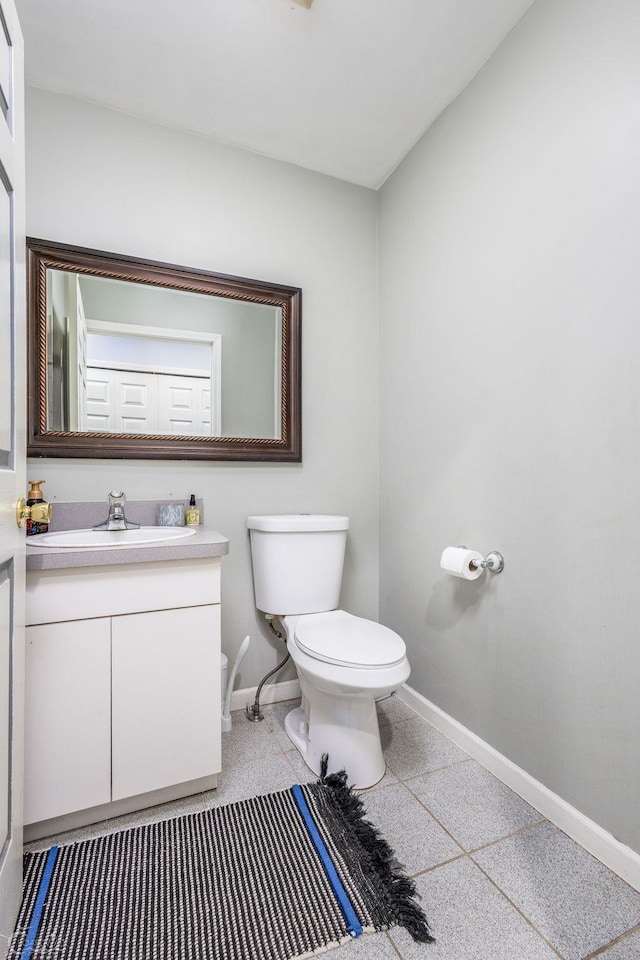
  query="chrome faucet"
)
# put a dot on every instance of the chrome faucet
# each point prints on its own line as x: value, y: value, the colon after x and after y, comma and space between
x: 116, y: 519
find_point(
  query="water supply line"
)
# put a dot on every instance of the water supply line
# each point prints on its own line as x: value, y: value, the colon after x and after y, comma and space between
x: 254, y: 713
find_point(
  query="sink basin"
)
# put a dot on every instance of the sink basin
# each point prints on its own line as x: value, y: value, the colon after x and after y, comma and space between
x: 91, y: 539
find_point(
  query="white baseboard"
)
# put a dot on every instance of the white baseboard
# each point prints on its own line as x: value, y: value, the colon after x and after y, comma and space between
x: 270, y: 693
x: 624, y: 861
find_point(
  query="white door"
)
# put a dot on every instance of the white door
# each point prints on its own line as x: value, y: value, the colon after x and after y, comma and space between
x: 136, y: 402
x: 121, y: 402
x: 204, y: 410
x: 131, y: 401
x: 100, y: 412
x: 12, y: 463
x: 178, y: 401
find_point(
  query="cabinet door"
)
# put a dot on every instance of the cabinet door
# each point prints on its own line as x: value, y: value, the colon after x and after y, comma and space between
x: 67, y: 718
x: 165, y: 698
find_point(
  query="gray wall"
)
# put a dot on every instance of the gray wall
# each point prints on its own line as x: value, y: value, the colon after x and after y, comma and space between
x: 101, y: 179
x: 510, y: 403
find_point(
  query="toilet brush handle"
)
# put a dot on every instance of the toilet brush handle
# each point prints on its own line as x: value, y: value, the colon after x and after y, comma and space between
x: 226, y: 709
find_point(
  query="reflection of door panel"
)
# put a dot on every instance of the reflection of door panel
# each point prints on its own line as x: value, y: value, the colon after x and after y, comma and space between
x: 178, y: 358
x: 101, y: 410
x: 120, y: 401
x: 136, y: 402
x: 76, y: 355
x: 204, y: 413
x: 179, y: 405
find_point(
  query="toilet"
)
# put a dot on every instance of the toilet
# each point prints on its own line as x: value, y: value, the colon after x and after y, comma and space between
x: 345, y: 663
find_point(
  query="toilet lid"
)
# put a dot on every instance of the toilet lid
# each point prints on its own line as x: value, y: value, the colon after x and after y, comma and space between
x: 339, y: 637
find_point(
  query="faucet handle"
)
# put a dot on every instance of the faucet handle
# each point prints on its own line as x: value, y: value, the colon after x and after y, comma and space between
x: 116, y: 519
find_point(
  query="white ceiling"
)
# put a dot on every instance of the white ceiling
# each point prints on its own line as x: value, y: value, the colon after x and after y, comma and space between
x: 345, y: 88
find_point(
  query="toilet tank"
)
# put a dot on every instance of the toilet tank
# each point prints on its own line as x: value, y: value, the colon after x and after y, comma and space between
x: 297, y: 562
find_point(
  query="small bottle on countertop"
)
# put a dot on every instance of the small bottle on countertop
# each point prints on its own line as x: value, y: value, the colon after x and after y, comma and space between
x: 192, y: 515
x: 38, y: 520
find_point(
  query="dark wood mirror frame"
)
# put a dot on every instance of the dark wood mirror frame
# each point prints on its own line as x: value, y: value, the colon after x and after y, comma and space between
x: 42, y: 442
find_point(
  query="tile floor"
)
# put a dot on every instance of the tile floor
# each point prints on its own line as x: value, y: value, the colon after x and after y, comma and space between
x: 497, y: 881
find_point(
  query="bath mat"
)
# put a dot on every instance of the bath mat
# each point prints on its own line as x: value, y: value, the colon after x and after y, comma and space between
x: 282, y: 876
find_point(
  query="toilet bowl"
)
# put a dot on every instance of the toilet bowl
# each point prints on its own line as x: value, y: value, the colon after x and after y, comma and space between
x: 344, y: 662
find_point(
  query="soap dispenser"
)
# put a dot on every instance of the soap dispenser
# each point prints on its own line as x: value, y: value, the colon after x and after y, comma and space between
x: 39, y: 512
x: 192, y: 515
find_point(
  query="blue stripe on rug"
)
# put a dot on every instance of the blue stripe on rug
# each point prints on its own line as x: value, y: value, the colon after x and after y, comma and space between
x: 36, y: 916
x: 354, y: 926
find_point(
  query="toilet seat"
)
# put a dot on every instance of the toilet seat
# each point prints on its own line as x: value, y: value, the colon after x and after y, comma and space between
x: 345, y: 640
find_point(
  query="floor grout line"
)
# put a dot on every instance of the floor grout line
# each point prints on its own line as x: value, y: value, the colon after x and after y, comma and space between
x: 426, y: 773
x: 612, y: 943
x: 444, y: 863
x: 519, y: 911
x: 439, y: 822
x: 507, y: 836
x: 394, y: 945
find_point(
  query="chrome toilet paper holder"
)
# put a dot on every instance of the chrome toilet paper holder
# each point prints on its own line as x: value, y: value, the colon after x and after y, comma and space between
x: 493, y: 561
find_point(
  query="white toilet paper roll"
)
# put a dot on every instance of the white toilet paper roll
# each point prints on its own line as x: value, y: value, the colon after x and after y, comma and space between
x: 458, y: 562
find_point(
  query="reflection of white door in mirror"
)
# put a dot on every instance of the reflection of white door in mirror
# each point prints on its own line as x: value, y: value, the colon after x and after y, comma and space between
x: 122, y: 401
x: 76, y: 341
x: 184, y: 406
x: 147, y: 380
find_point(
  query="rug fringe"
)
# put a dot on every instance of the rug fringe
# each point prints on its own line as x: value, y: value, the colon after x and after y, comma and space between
x: 401, y: 889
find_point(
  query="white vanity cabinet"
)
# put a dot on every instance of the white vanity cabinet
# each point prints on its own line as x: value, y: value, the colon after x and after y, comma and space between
x: 68, y: 717
x: 165, y: 698
x: 122, y: 688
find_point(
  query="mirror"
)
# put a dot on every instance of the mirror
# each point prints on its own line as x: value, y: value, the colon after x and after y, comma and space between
x: 137, y: 359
